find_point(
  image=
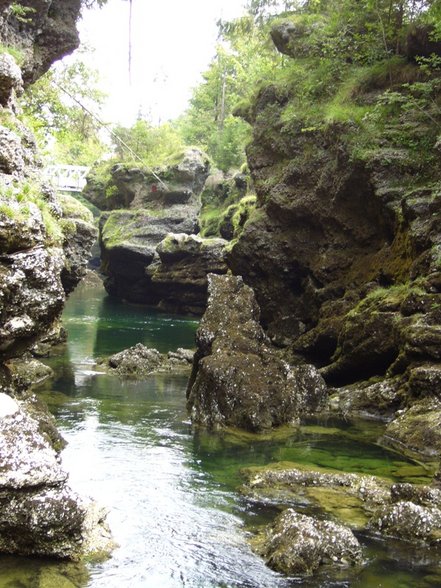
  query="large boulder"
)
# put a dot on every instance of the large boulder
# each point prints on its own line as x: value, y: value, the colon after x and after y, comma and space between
x: 238, y: 378
x: 39, y: 513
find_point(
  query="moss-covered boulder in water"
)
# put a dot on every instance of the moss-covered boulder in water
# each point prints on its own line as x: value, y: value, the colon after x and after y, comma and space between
x: 299, y: 544
x: 238, y: 378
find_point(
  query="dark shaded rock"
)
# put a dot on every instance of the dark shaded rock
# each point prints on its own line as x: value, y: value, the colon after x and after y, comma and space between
x: 80, y: 235
x: 46, y: 35
x: 420, y: 42
x: 179, y: 277
x: 238, y: 379
x: 409, y: 522
x: 140, y: 361
x: 299, y: 544
x: 34, y: 496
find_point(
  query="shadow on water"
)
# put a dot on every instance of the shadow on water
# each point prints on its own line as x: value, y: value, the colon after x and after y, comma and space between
x: 172, y: 492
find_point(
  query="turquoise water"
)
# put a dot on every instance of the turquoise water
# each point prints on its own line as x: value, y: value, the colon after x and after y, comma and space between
x: 171, y: 492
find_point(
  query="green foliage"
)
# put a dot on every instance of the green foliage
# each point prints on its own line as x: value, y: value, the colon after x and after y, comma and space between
x: 154, y: 145
x: 16, y: 53
x: 22, y: 13
x: 52, y: 109
x: 244, y: 56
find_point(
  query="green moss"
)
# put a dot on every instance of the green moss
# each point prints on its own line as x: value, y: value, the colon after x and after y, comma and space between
x: 16, y: 53
x: 74, y: 209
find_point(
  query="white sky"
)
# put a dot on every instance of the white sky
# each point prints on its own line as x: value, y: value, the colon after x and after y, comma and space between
x: 173, y: 41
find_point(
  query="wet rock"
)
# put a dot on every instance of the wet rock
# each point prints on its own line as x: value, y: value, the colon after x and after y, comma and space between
x: 27, y: 371
x: 238, y: 378
x: 34, y: 495
x: 299, y: 544
x: 368, y: 399
x: 421, y: 495
x: 417, y: 429
x: 140, y: 361
x: 179, y: 277
x: 409, y: 522
x: 349, y: 498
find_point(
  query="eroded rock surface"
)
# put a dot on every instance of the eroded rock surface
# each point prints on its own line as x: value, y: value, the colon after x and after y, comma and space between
x: 299, y: 544
x: 39, y: 513
x: 238, y: 378
x: 153, y: 209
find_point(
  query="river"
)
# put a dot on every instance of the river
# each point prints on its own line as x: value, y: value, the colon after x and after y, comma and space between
x: 171, y: 492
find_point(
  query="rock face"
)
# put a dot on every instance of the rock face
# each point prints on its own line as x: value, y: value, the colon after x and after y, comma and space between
x: 343, y: 253
x: 299, y: 544
x: 238, y: 378
x: 43, y: 35
x: 140, y: 268
x: 34, y: 496
x: 44, y: 243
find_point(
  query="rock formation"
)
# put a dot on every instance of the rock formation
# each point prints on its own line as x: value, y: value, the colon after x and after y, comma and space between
x: 44, y: 246
x: 343, y: 253
x: 39, y: 513
x: 238, y: 378
x: 149, y: 249
x: 140, y: 361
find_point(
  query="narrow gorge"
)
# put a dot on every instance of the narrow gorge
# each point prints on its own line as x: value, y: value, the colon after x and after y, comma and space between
x: 245, y: 362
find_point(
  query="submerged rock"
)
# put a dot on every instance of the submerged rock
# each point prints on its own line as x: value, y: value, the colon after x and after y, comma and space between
x: 348, y: 497
x: 238, y: 378
x: 300, y: 544
x: 140, y: 361
x: 39, y: 513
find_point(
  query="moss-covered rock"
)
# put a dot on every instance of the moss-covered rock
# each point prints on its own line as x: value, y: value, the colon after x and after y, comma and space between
x: 238, y: 378
x: 299, y: 544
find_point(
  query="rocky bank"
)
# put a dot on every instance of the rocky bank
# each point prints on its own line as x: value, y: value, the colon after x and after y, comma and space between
x: 45, y: 243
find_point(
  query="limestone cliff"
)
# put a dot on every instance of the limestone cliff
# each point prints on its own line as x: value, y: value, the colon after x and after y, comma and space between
x: 45, y: 242
x: 343, y: 250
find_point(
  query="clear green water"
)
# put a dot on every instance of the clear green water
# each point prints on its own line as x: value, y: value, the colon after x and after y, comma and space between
x: 171, y: 492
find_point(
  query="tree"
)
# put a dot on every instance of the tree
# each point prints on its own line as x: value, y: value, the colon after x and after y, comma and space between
x: 60, y: 109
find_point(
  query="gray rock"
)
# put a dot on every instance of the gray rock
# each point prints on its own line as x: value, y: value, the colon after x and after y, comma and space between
x: 238, y: 378
x: 11, y: 83
x: 154, y: 208
x: 299, y: 544
x: 39, y: 513
x: 140, y: 361
x: 409, y: 522
x: 179, y: 276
